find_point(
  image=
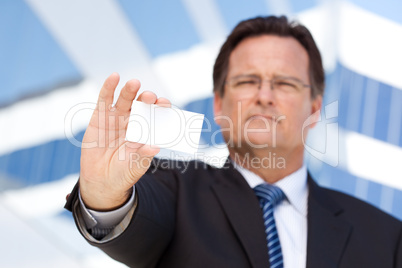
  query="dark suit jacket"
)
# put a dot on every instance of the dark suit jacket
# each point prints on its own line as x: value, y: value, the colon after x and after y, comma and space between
x: 200, y: 216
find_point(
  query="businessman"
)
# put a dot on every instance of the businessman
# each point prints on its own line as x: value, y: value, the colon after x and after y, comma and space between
x: 147, y: 212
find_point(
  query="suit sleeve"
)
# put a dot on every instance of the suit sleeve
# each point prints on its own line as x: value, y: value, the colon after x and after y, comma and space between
x: 398, y: 257
x: 151, y: 228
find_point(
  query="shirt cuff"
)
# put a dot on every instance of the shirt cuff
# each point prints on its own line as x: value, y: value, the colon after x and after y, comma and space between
x: 101, y: 235
x: 107, y: 219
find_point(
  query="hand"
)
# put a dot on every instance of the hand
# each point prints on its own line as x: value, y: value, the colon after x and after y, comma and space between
x: 108, y: 170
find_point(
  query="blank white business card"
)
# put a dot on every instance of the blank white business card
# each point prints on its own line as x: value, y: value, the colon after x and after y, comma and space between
x: 164, y: 127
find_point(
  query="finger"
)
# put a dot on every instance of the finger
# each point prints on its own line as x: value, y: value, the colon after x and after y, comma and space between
x: 144, y: 156
x: 148, y: 150
x: 127, y: 95
x: 107, y: 91
x: 144, y: 149
x: 140, y: 158
x: 163, y: 102
x: 147, y: 97
x: 133, y: 146
x: 141, y: 149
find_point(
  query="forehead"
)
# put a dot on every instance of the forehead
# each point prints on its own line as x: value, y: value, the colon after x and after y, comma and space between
x: 269, y: 55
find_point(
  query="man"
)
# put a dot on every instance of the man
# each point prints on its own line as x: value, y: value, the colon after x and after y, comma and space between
x: 268, y: 80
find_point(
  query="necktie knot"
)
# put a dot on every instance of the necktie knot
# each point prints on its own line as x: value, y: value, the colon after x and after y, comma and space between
x: 268, y: 193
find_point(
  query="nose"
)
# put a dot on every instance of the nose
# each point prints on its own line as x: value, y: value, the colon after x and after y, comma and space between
x: 266, y: 95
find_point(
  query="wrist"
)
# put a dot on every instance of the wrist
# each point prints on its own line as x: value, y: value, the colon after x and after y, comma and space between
x: 102, y: 199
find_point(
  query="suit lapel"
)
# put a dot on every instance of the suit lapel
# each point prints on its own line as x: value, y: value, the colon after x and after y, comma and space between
x: 236, y: 197
x: 327, y: 233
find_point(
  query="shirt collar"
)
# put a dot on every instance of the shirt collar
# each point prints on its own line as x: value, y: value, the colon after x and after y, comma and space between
x: 294, y: 186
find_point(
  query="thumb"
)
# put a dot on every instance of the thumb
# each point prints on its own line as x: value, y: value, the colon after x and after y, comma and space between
x: 141, y: 159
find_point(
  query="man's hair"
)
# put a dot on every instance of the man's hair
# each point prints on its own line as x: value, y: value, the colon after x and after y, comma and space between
x: 272, y: 25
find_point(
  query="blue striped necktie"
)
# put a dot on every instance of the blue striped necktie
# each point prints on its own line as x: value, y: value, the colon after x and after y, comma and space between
x: 270, y: 196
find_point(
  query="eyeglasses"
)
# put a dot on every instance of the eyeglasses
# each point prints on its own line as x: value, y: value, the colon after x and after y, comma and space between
x: 248, y: 85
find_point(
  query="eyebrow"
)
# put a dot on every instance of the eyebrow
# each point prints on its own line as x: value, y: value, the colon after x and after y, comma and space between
x: 259, y: 77
x: 245, y: 76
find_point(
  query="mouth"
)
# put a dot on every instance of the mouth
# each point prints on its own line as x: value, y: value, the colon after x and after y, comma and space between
x: 262, y: 117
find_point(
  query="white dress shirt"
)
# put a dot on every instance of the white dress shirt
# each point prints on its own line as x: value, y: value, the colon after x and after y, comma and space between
x: 290, y: 215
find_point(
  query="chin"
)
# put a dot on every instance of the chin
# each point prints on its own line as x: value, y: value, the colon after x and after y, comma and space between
x: 260, y: 123
x: 259, y: 140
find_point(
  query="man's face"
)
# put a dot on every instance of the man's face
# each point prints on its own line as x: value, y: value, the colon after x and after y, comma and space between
x: 252, y: 118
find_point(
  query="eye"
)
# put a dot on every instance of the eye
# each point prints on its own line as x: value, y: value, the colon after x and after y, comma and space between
x: 246, y: 82
x: 285, y: 85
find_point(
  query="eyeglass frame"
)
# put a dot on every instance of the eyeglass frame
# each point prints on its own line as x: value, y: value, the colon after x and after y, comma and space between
x: 298, y: 83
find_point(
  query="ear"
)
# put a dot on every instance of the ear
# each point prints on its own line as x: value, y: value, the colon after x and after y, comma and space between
x: 217, y: 107
x: 316, y: 105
